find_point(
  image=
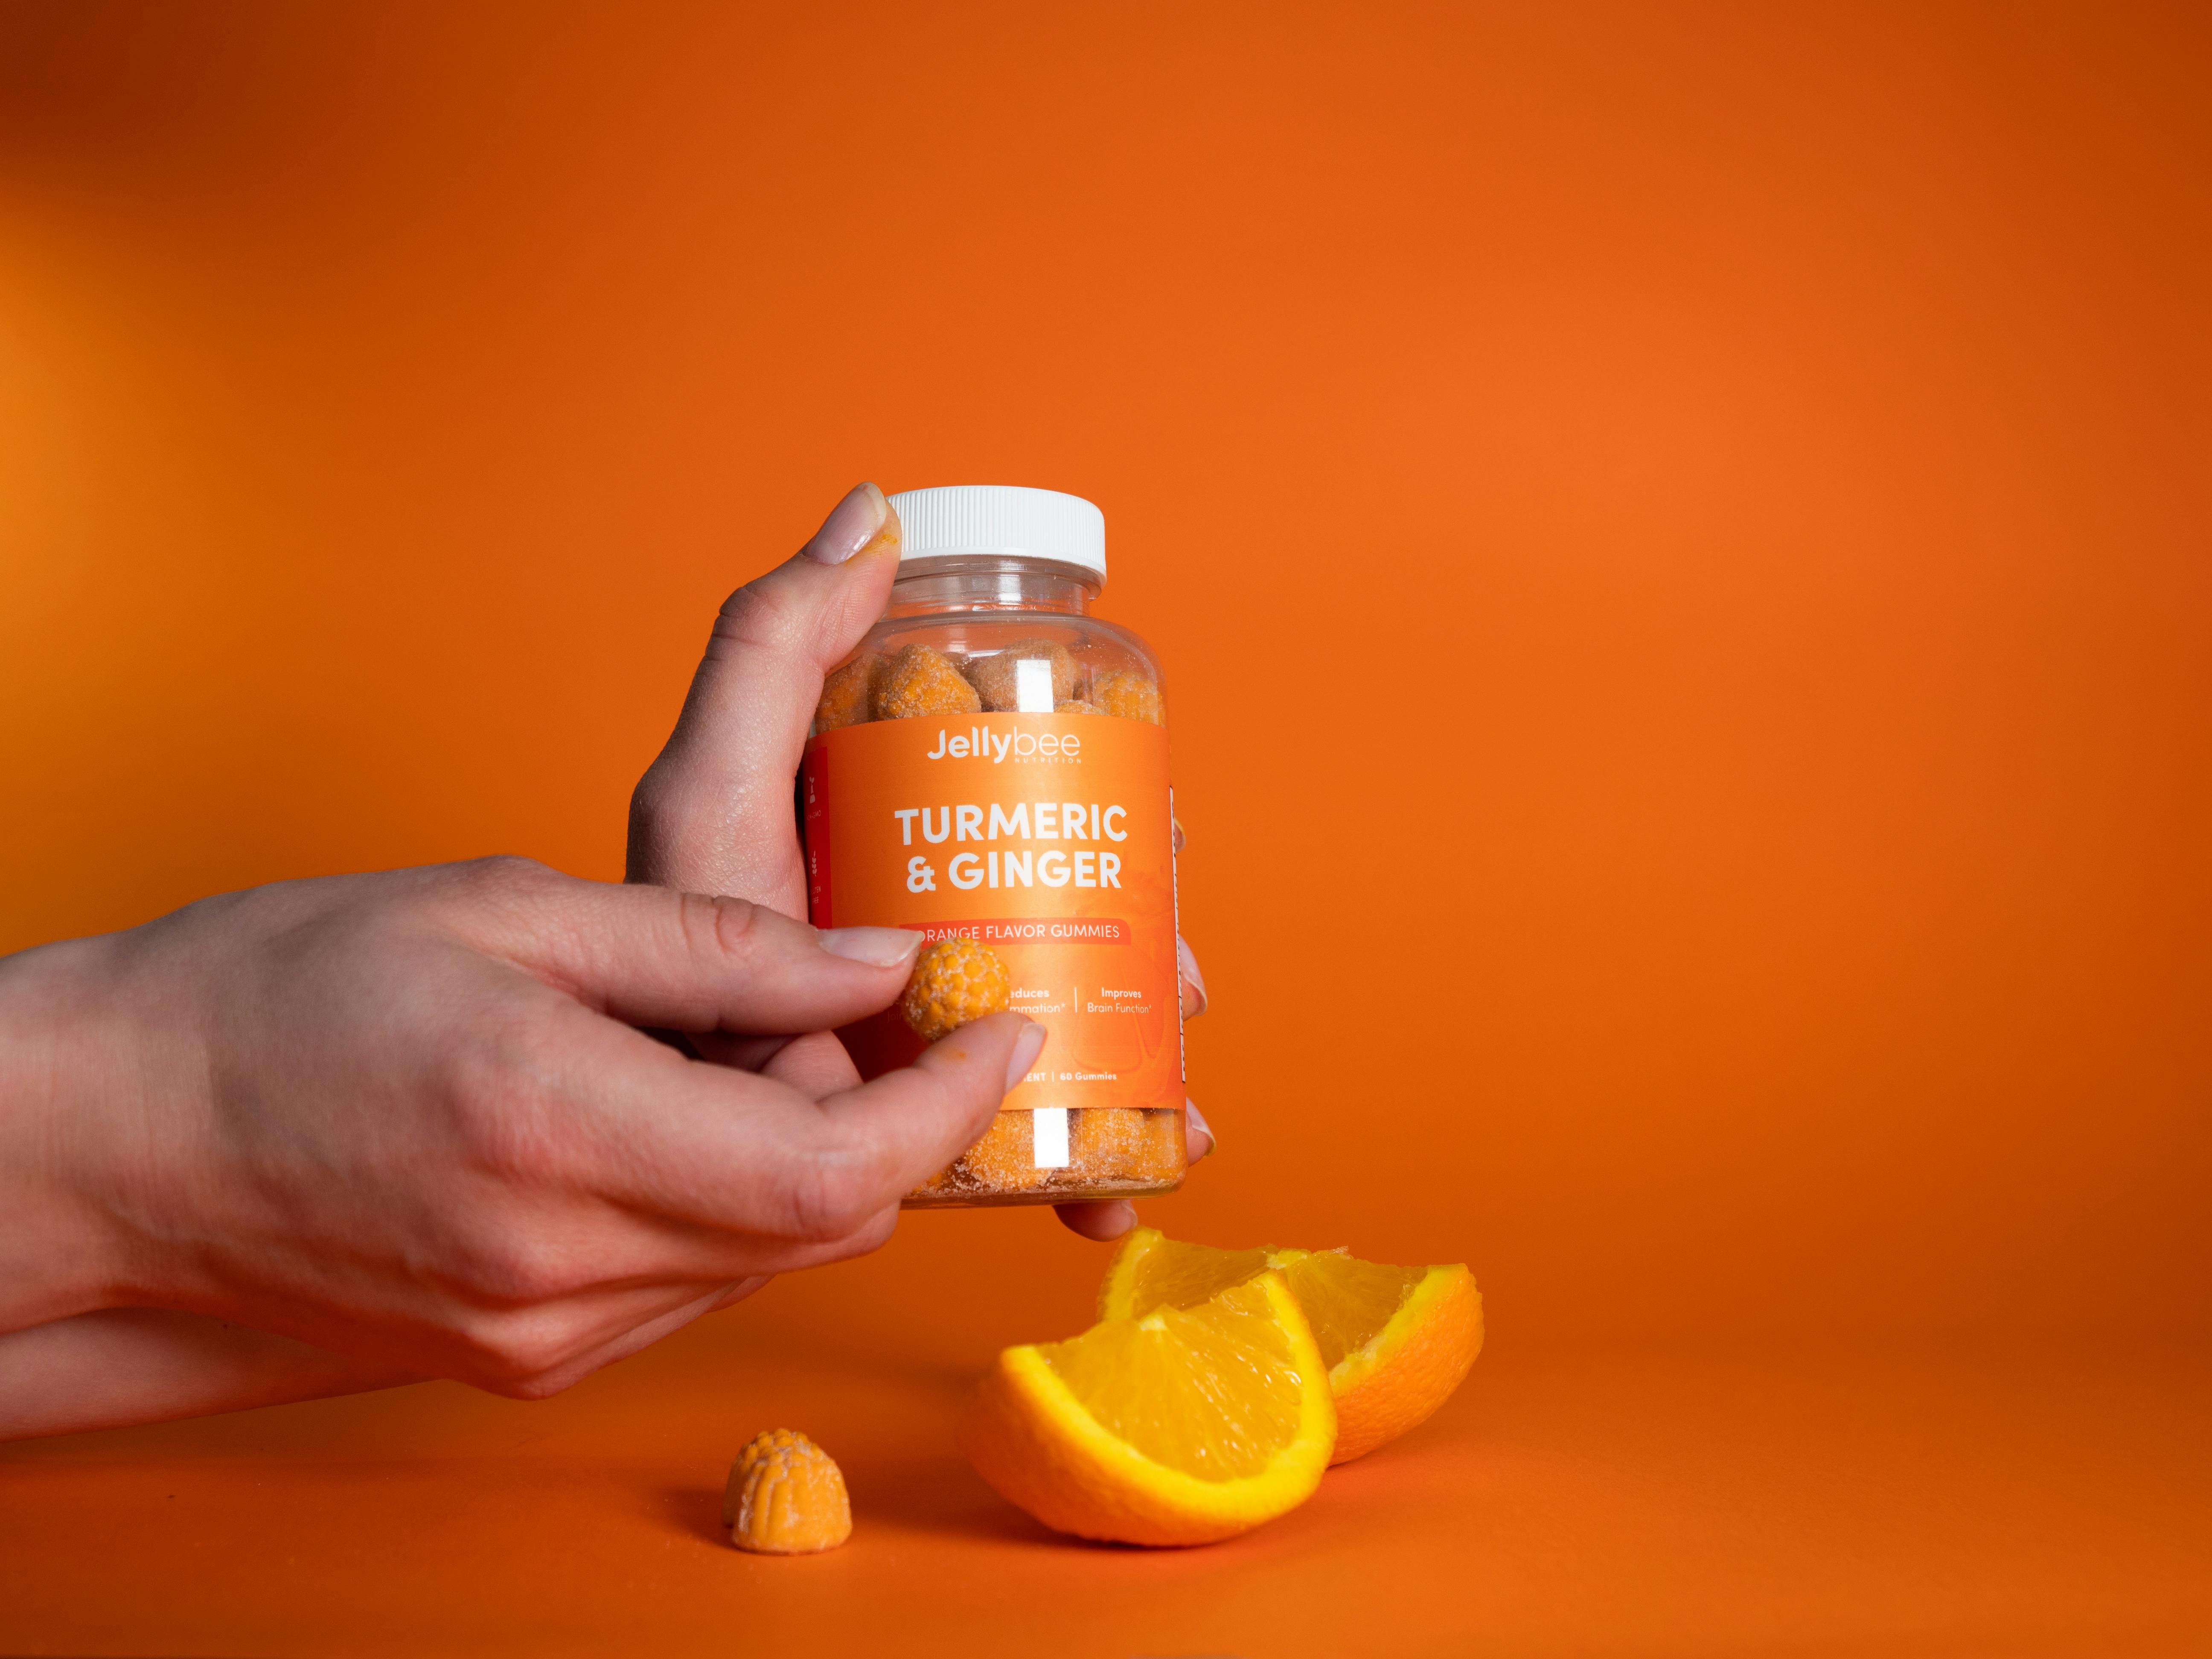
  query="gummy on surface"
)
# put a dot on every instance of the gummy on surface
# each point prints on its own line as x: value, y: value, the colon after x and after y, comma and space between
x: 786, y: 1497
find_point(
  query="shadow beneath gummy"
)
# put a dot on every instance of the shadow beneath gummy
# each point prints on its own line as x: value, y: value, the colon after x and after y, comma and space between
x: 694, y: 1511
x: 939, y: 1495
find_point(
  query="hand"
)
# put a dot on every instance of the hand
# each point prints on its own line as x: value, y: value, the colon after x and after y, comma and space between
x: 1109, y: 1220
x: 406, y: 1119
x: 713, y: 814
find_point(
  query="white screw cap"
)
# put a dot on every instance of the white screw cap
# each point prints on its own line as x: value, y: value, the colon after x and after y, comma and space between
x: 999, y: 522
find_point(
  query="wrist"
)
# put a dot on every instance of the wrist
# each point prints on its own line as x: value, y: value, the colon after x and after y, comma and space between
x: 66, y: 1095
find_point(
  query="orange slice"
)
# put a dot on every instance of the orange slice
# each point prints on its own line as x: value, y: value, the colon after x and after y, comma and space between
x: 1183, y: 1426
x: 1397, y: 1340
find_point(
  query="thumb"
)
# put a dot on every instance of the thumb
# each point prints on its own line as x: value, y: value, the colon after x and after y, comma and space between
x: 713, y: 814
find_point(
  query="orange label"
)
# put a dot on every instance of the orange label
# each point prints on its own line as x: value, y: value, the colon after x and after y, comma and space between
x: 1047, y: 837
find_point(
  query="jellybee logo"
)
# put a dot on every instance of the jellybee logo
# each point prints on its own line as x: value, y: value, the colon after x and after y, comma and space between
x: 994, y: 746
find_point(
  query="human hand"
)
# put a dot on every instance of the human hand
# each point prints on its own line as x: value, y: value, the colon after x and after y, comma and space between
x: 405, y: 1118
x: 714, y: 812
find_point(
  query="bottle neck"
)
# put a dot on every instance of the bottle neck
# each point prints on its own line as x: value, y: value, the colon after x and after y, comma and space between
x: 936, y: 585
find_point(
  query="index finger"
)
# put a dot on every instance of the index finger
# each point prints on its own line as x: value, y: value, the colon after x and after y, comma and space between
x: 694, y: 1142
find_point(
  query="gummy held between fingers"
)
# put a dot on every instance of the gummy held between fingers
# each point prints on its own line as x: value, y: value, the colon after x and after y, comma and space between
x: 958, y: 981
x: 955, y: 982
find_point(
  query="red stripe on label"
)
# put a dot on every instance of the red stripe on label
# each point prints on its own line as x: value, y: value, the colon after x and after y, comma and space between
x: 814, y: 781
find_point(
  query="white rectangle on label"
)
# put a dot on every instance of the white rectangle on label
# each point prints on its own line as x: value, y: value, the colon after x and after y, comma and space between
x: 1033, y: 688
x: 1049, y: 1132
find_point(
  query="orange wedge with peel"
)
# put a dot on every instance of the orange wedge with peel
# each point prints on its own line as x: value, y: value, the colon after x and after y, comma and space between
x: 1183, y: 1426
x: 1397, y: 1340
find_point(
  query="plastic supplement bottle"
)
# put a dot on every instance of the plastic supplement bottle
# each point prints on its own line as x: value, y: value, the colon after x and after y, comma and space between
x: 991, y: 766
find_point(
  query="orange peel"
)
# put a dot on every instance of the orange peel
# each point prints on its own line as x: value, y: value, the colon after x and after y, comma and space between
x: 1398, y: 1341
x: 1184, y: 1426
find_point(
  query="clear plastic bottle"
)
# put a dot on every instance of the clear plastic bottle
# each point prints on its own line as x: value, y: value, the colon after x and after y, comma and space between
x: 991, y: 765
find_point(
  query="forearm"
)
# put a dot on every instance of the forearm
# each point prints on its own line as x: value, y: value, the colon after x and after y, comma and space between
x: 128, y: 1365
x: 65, y: 1090
x: 85, y: 1071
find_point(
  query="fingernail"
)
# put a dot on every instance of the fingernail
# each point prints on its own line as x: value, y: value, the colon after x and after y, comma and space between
x: 1194, y: 1118
x: 879, y: 947
x: 1107, y: 1222
x: 851, y: 525
x: 1187, y: 965
x: 1027, y: 1047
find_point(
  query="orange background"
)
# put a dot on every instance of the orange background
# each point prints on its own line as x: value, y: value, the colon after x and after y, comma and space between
x: 1679, y: 539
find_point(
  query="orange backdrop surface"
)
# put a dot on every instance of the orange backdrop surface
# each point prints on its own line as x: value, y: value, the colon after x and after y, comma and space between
x: 1681, y: 538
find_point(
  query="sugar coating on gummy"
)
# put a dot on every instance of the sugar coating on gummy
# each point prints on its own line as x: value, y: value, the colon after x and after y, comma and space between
x: 1122, y: 1143
x: 1128, y: 696
x: 849, y: 693
x: 920, y: 682
x: 955, y: 980
x: 997, y: 677
x: 786, y: 1497
x: 1004, y: 1158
